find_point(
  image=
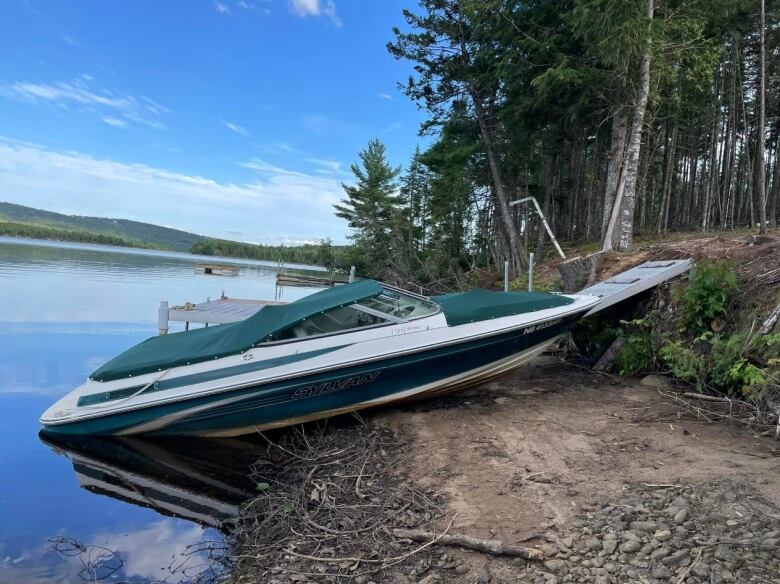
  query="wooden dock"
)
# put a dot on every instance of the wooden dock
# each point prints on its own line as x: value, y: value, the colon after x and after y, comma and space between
x: 221, y: 311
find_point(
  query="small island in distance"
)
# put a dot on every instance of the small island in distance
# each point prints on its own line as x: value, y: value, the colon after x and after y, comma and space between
x: 28, y: 222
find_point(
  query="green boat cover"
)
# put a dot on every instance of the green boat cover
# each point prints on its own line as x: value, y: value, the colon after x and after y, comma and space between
x: 195, y: 346
x: 476, y: 305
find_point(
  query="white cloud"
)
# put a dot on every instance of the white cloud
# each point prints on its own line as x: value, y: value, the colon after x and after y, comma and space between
x: 305, y: 8
x: 386, y: 96
x: 326, y: 165
x: 319, y: 123
x: 240, y: 130
x: 80, y: 94
x: 274, y: 204
x: 246, y: 5
x: 222, y: 8
x: 330, y: 12
x: 116, y: 122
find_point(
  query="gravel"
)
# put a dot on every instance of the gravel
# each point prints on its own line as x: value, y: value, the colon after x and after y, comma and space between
x: 706, y: 533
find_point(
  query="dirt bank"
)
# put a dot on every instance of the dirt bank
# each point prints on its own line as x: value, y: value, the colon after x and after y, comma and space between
x: 606, y: 476
x: 525, y: 459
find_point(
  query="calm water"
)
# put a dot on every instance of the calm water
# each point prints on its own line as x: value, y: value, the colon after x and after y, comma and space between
x: 134, y: 510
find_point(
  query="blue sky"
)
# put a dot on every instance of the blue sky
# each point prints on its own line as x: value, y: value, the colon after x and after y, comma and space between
x: 232, y: 118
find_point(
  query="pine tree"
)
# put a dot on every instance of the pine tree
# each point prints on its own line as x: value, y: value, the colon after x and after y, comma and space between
x: 370, y: 206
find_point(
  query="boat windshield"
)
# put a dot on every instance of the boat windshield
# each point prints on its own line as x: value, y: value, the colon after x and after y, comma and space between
x: 388, y: 307
x: 399, y: 306
x: 332, y: 321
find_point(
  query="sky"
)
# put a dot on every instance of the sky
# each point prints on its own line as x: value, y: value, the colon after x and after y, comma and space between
x: 229, y: 118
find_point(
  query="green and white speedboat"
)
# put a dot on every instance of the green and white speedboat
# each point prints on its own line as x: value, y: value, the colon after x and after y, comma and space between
x: 340, y: 350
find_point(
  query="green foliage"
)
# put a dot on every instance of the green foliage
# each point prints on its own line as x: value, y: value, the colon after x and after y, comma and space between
x: 594, y: 335
x: 12, y: 229
x: 125, y: 232
x: 715, y: 361
x: 638, y: 352
x: 684, y: 363
x: 323, y: 254
x: 371, y: 206
x: 710, y: 286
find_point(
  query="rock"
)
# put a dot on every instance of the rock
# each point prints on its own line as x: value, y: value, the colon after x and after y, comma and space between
x: 770, y: 543
x: 661, y: 572
x: 658, y: 381
x: 732, y: 523
x: 609, y: 545
x: 725, y: 554
x: 662, y: 534
x: 661, y: 552
x: 630, y: 546
x: 556, y: 566
x: 601, y: 580
x: 678, y: 558
x: 647, y: 526
x: 462, y: 569
x: 681, y: 516
x: 701, y: 569
x: 593, y: 544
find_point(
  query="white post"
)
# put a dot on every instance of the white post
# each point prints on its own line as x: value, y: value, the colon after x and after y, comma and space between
x: 351, y: 274
x: 162, y: 317
x: 531, y: 272
x: 506, y: 275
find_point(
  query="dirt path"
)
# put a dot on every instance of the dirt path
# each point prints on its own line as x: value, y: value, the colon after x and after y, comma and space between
x: 533, y: 453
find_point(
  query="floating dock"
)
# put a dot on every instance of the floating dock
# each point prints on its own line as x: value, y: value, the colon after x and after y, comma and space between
x: 216, y: 269
x: 221, y: 311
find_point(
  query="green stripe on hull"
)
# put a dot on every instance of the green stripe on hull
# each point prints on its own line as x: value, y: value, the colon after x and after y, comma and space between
x: 162, y: 385
x: 322, y: 392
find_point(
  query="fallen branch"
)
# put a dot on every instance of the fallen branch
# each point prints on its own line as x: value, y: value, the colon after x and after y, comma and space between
x: 494, y: 547
x: 704, y: 397
x: 769, y: 323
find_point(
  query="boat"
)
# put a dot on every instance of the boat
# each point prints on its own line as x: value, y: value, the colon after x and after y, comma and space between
x: 339, y: 350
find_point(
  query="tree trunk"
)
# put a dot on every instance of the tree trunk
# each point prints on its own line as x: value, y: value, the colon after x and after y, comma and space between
x: 761, y: 165
x: 614, y: 167
x: 516, y: 251
x: 626, y: 230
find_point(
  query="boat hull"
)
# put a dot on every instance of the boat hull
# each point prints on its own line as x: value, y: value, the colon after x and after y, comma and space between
x: 414, y: 375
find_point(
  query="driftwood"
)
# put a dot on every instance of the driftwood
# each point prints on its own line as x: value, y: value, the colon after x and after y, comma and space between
x: 609, y: 355
x: 494, y: 547
x: 579, y: 271
x: 769, y: 323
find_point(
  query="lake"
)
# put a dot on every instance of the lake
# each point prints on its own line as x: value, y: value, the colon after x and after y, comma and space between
x: 134, y: 510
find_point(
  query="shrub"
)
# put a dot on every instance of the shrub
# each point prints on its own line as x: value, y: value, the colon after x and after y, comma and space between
x: 710, y: 285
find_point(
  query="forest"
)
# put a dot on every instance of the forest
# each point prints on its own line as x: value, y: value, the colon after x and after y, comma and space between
x: 620, y: 117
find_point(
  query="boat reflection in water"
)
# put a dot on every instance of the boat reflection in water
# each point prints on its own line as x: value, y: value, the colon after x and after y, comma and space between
x: 201, y: 480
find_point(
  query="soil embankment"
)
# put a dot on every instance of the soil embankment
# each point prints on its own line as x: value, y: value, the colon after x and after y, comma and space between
x: 609, y: 478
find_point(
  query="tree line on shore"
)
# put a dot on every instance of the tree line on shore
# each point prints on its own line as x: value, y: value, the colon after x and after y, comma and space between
x: 618, y: 116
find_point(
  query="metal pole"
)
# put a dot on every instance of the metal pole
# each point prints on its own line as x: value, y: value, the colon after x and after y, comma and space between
x: 162, y: 317
x: 351, y: 274
x: 531, y: 272
x: 506, y: 275
x: 544, y: 222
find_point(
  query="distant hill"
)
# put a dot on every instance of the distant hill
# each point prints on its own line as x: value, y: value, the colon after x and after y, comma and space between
x: 132, y: 232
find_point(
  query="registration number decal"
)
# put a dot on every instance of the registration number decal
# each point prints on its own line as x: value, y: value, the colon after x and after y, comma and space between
x: 541, y: 325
